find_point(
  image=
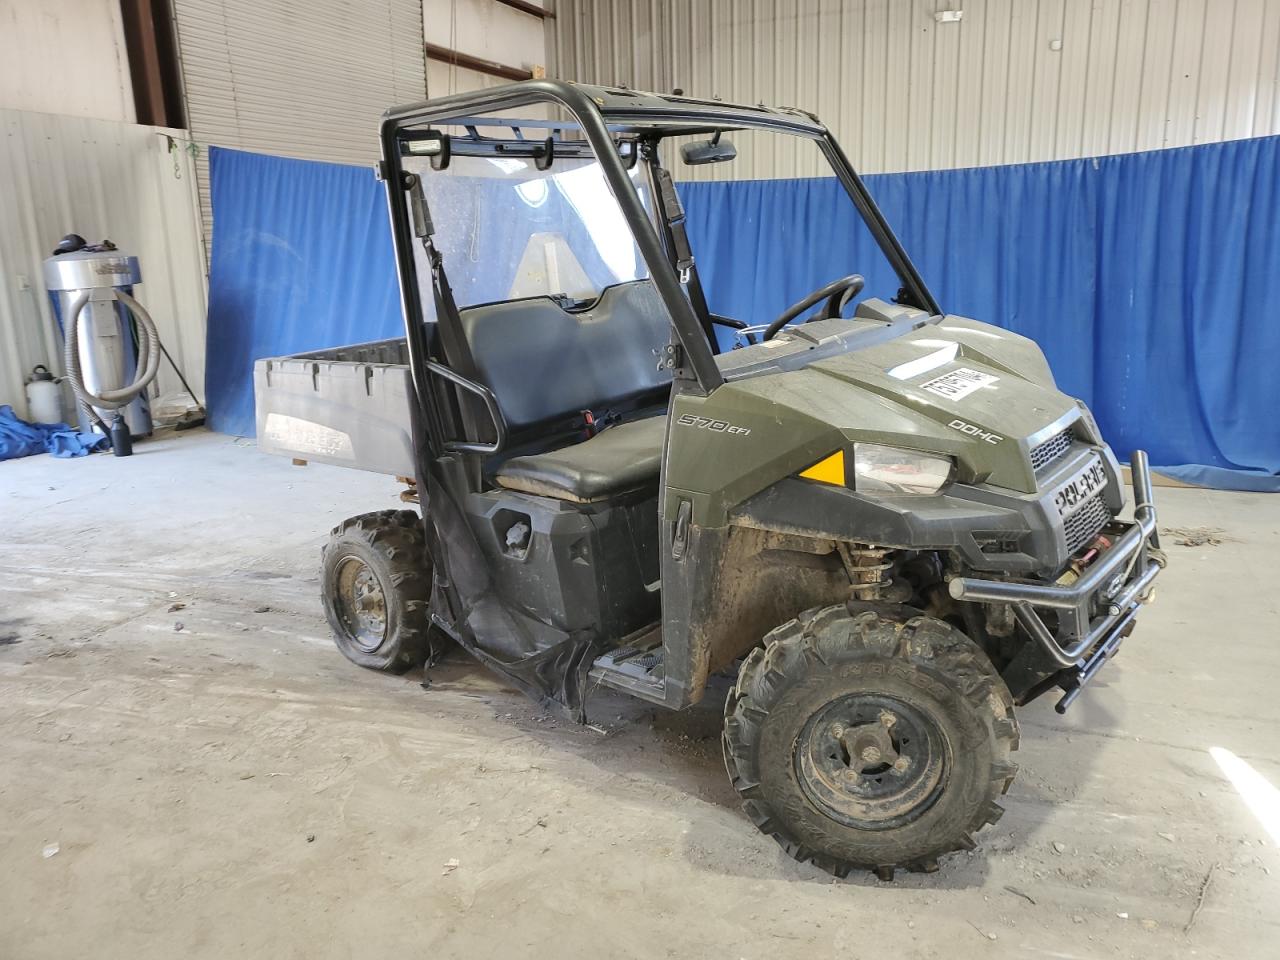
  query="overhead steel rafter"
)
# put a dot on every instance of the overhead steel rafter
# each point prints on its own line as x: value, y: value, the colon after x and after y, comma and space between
x: 492, y: 67
x: 153, y: 62
x: 524, y: 6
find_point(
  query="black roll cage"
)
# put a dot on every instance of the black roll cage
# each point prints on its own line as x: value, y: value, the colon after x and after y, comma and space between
x: 595, y: 110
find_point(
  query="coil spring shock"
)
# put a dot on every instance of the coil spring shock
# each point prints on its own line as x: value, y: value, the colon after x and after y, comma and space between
x: 867, y: 567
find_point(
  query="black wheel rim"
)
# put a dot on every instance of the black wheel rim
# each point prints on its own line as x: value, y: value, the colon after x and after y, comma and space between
x: 361, y: 603
x: 871, y: 762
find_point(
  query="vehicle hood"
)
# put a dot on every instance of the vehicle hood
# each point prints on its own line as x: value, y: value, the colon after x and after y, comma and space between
x: 971, y: 391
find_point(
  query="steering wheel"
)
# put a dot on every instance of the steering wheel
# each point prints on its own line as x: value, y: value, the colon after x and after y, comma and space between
x: 837, y: 293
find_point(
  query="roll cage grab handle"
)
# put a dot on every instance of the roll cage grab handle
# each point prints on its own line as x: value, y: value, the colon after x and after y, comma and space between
x: 698, y: 359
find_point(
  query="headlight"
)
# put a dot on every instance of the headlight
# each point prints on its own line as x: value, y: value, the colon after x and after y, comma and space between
x: 881, y: 469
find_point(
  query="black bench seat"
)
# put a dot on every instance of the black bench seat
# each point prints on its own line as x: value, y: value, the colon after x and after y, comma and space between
x: 623, y: 457
x: 547, y: 364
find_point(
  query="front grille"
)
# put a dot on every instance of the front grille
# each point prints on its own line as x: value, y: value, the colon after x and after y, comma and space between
x: 1083, y: 525
x: 1046, y: 453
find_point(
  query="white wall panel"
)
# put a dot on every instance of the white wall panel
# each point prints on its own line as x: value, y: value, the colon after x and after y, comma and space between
x: 100, y: 179
x: 482, y: 28
x: 65, y: 56
x: 904, y: 92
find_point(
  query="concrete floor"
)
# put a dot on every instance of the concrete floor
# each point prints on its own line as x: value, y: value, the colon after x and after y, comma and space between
x: 236, y: 788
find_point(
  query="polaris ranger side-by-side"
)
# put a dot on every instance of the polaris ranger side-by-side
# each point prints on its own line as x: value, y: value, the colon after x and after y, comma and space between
x: 886, y: 519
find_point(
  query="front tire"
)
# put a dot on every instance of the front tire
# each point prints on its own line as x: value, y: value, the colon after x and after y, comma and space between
x: 859, y: 741
x: 376, y: 586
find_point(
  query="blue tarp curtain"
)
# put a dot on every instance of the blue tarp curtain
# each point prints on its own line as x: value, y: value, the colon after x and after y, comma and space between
x: 301, y: 260
x: 1147, y: 278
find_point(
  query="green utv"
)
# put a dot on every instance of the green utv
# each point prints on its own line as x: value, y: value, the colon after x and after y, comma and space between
x: 887, y: 521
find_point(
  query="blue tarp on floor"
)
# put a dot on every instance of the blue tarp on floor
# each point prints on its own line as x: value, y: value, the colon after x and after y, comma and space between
x: 1147, y: 278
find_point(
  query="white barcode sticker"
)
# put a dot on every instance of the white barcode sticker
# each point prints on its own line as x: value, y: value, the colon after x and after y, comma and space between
x: 959, y: 383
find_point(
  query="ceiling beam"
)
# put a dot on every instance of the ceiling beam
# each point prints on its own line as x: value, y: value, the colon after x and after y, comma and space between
x: 524, y: 6
x: 479, y: 64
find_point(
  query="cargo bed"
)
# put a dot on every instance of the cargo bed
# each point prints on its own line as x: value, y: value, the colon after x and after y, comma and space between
x: 348, y: 406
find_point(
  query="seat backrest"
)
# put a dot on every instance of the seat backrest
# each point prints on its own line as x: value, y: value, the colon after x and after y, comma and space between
x: 544, y: 362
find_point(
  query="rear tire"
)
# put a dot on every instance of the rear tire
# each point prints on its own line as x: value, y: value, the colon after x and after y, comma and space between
x: 376, y: 586
x: 859, y: 741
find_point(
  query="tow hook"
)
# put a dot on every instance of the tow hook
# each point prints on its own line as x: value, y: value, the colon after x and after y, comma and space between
x: 1160, y: 560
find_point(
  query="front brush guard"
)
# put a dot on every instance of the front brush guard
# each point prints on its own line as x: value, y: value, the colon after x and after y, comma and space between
x: 1135, y: 557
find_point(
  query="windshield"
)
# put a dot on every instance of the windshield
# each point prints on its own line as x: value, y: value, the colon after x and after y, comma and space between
x: 772, y: 225
x: 508, y: 230
x: 522, y: 209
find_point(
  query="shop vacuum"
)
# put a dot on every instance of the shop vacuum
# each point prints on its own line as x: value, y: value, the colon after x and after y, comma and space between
x: 111, y: 348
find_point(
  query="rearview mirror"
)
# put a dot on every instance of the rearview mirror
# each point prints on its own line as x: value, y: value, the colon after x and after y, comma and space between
x: 714, y: 150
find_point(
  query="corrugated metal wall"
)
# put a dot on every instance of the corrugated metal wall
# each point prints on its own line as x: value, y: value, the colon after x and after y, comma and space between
x: 297, y: 78
x: 1012, y: 81
x: 100, y: 179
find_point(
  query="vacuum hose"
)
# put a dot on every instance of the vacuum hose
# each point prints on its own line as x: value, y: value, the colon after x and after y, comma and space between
x: 148, y: 350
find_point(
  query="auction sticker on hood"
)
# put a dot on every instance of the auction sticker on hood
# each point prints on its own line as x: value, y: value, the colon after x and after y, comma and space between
x: 959, y: 383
